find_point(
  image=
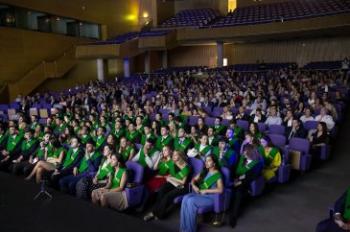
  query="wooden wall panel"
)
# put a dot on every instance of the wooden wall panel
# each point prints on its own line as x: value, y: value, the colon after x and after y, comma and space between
x: 220, y: 5
x: 300, y: 51
x: 204, y: 55
x: 82, y: 73
x: 243, y: 3
x: 21, y: 50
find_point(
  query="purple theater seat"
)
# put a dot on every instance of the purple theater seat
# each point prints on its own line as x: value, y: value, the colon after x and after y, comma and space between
x: 277, y: 129
x: 262, y: 127
x: 310, y: 125
x: 217, y: 111
x: 303, y: 146
x: 197, y: 166
x: 221, y: 201
x: 134, y: 193
x: 209, y: 121
x: 207, y: 109
x: 257, y: 186
x: 192, y: 120
x: 325, y: 152
x: 243, y: 124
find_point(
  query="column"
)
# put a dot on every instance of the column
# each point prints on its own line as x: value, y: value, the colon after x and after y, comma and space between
x: 126, y: 63
x: 101, y: 69
x: 220, y: 53
x: 165, y: 59
x: 147, y: 62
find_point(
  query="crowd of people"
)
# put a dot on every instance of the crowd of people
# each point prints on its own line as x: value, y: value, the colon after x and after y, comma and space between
x: 90, y: 135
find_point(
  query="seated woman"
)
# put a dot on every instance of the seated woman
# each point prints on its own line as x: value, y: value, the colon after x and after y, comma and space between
x: 112, y: 193
x: 272, y: 159
x: 318, y: 139
x: 175, y: 185
x: 162, y: 167
x: 48, y: 157
x: 204, y: 186
x: 200, y: 149
x: 340, y: 220
x: 254, y: 130
x: 248, y: 169
x: 71, y: 161
x: 126, y: 150
x: 87, y: 184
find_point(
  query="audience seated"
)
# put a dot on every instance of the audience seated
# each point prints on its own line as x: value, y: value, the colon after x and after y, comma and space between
x: 89, y: 133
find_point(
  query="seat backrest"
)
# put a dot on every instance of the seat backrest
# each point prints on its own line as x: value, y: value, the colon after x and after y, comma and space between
x: 243, y: 124
x: 226, y: 174
x: 310, y: 125
x: 276, y: 129
x: 137, y: 170
x: 197, y: 165
x: 192, y: 120
x: 278, y: 140
x: 299, y: 144
x: 209, y: 121
x: 262, y: 127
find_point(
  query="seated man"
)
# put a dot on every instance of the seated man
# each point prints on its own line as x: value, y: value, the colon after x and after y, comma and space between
x: 181, y: 142
x: 3, y: 138
x: 325, y: 117
x: 273, y: 119
x: 296, y: 130
x: 340, y: 220
x: 89, y: 165
x: 11, y: 149
x: 212, y: 137
x: 219, y: 129
x: 147, y: 155
x: 72, y: 160
x: 164, y: 139
x: 224, y: 154
x: 201, y: 149
x: 28, y: 148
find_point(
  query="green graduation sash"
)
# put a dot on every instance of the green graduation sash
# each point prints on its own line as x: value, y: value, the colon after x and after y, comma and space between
x: 220, y: 129
x: 142, y: 157
x: 99, y: 141
x: 12, y: 142
x: 131, y: 137
x: 210, y: 181
x: 163, y: 142
x: 204, y: 151
x: 126, y: 152
x: 144, y: 138
x: 26, y: 145
x: 346, y: 214
x: 84, y: 164
x: 117, y: 177
x: 55, y: 153
x: 181, y: 146
x: 180, y: 174
x: 163, y: 167
x: 118, y: 134
x: 70, y: 158
x: 242, y: 168
x: 2, y: 138
x: 85, y: 138
x: 104, y: 170
x: 268, y: 157
x: 227, y: 154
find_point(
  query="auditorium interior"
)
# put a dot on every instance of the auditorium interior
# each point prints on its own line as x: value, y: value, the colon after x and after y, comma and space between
x: 174, y: 115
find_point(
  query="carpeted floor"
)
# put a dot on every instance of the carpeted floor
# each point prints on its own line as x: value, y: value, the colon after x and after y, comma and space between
x: 296, y: 206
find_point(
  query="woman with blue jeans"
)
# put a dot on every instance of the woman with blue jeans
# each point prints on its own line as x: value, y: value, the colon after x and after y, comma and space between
x: 204, y: 186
